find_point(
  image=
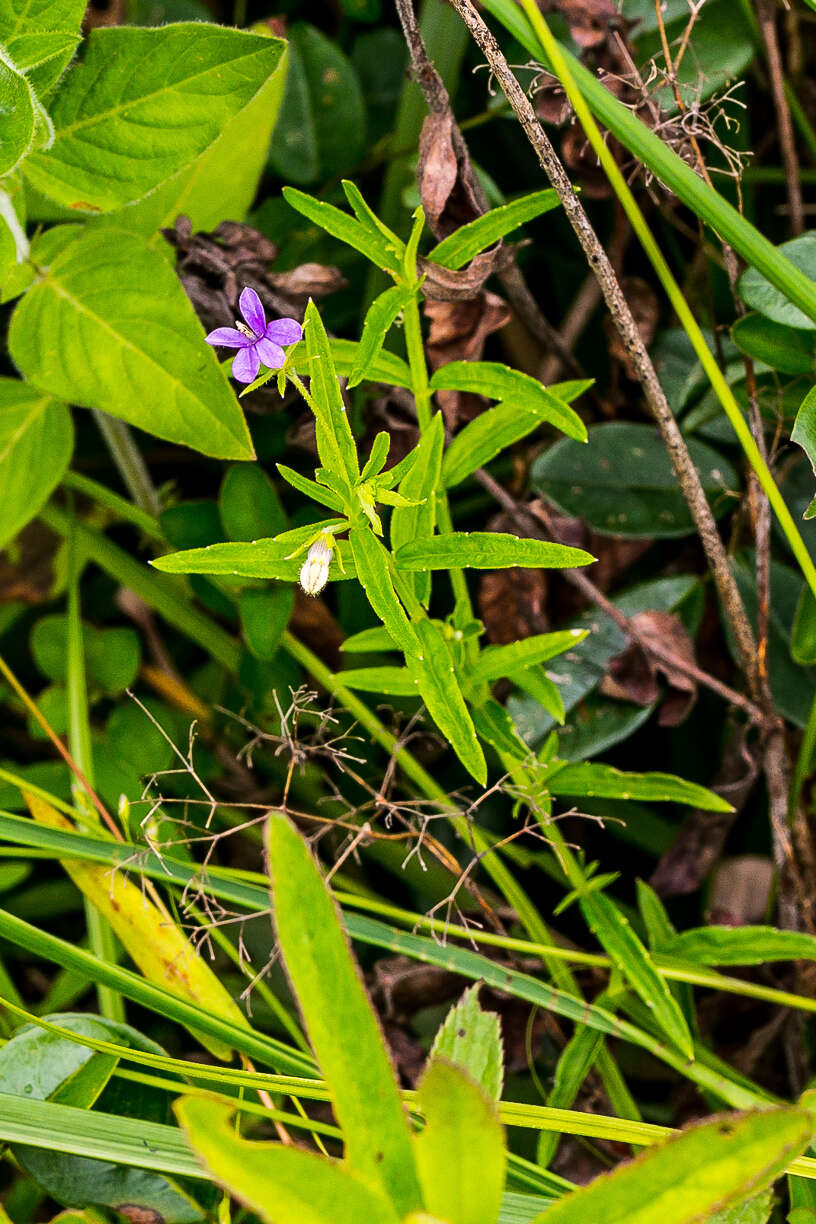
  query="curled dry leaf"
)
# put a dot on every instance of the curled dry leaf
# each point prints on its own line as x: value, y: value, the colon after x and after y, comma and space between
x: 512, y: 604
x: 448, y: 189
x: 633, y: 675
x: 446, y: 285
x: 458, y: 333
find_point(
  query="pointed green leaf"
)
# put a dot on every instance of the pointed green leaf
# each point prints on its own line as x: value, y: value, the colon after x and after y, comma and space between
x: 340, y: 225
x: 497, y: 661
x: 705, y: 1168
x: 371, y: 561
x: 433, y: 670
x: 281, y: 1185
x: 748, y: 945
x: 471, y: 1039
x: 467, y: 241
x: 41, y: 36
x: 499, y: 382
x: 612, y: 930
x: 258, y: 559
x: 393, y: 681
x: 88, y: 333
x: 590, y: 778
x: 36, y: 441
x: 419, y: 485
x: 482, y: 439
x: 192, y: 79
x: 381, y: 316
x: 487, y: 550
x: 460, y: 1153
x: 335, y: 443
x: 340, y: 1021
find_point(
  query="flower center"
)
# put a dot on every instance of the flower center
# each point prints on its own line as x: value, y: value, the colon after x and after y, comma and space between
x: 245, y: 331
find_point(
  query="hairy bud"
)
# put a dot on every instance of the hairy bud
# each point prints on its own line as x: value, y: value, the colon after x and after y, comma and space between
x: 314, y: 572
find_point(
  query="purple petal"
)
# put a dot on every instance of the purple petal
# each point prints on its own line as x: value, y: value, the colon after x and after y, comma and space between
x: 229, y: 337
x: 252, y: 310
x: 272, y: 355
x: 246, y: 365
x: 284, y: 331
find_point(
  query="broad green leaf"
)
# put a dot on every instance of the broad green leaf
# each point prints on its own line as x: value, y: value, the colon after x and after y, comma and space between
x: 36, y: 441
x: 381, y: 316
x: 335, y: 443
x: 41, y: 36
x: 321, y: 129
x: 460, y: 1153
x: 487, y: 550
x: 18, y: 105
x: 281, y: 1185
x: 471, y: 1039
x: 499, y: 382
x: 258, y: 559
x: 343, y: 226
x: 88, y: 333
x: 615, y: 935
x: 589, y: 779
x: 393, y: 681
x: 371, y: 561
x: 419, y: 485
x: 497, y: 661
x: 264, y: 617
x: 235, y: 160
x: 192, y: 79
x: 803, y: 637
x: 747, y: 945
x: 149, y: 935
x: 804, y: 433
x: 341, y: 1024
x: 438, y: 686
x: 111, y: 656
x: 787, y: 349
x: 623, y: 483
x: 37, y: 1064
x: 461, y: 246
x: 249, y: 505
x: 757, y: 291
x: 708, y: 1167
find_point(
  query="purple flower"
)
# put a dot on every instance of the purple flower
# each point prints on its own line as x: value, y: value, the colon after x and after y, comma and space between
x: 256, y: 340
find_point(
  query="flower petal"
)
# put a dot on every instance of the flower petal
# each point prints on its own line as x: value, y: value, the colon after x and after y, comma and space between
x: 229, y: 337
x: 252, y: 310
x: 272, y: 355
x: 246, y: 364
x: 284, y: 331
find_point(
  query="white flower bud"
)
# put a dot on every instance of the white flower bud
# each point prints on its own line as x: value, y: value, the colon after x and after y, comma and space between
x: 314, y: 572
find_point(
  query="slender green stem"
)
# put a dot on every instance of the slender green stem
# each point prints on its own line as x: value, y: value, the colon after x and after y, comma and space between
x: 118, y: 505
x: 558, y: 62
x: 128, y: 459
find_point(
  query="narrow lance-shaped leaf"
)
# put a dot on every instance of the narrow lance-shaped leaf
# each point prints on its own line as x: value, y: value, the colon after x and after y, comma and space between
x: 434, y: 673
x: 281, y: 1185
x: 341, y: 1024
x: 461, y: 246
x: 335, y: 443
x: 591, y: 779
x: 748, y: 945
x: 89, y: 334
x: 382, y: 314
x: 340, y: 225
x: 497, y: 661
x: 487, y: 550
x: 371, y: 561
x: 257, y: 559
x: 419, y: 485
x: 393, y: 681
x: 612, y: 930
x: 150, y: 937
x: 512, y: 386
x: 705, y: 1168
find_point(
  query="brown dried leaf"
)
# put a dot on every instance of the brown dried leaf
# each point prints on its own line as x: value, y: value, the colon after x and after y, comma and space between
x: 447, y: 185
x: 580, y: 158
x: 633, y: 674
x: 449, y: 285
x: 512, y: 604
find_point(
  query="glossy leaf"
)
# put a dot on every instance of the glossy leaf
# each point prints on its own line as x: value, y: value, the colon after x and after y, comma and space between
x: 371, y: 562
x: 434, y: 673
x: 340, y: 1022
x: 36, y: 441
x: 487, y: 550
x: 758, y: 292
x: 499, y: 382
x: 460, y: 1152
x: 192, y: 79
x: 623, y: 483
x: 497, y: 661
x: 343, y: 226
x: 468, y: 240
x: 281, y: 1185
x: 256, y: 559
x: 590, y: 779
x: 485, y: 437
x: 392, y: 681
x: 88, y: 333
x: 787, y: 349
x: 715, y: 1165
x: 380, y: 317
